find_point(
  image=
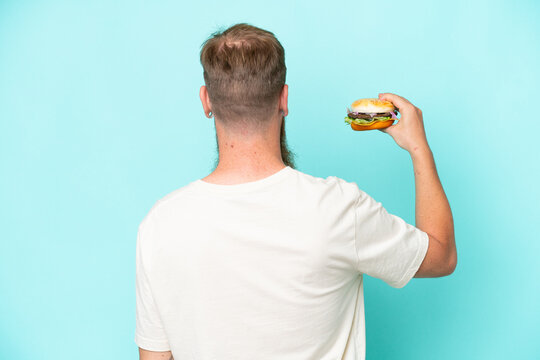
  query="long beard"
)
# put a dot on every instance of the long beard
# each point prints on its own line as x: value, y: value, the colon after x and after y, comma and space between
x: 287, y: 156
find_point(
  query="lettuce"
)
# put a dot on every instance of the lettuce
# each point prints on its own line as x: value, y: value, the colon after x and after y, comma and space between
x: 349, y: 120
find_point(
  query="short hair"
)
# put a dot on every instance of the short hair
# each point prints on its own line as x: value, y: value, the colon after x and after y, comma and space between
x: 244, y: 72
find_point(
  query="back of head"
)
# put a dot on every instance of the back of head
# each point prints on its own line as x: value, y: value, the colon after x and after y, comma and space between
x: 244, y: 72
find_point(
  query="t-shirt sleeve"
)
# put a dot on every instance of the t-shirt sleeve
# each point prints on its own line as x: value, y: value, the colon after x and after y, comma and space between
x: 149, y: 332
x: 388, y: 248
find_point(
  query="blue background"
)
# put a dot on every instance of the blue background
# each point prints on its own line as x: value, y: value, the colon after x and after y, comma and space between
x: 100, y: 117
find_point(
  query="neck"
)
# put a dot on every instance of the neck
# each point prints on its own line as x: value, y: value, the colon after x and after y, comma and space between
x: 245, y: 156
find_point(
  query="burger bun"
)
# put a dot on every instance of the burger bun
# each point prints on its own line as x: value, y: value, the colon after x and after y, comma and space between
x: 371, y: 105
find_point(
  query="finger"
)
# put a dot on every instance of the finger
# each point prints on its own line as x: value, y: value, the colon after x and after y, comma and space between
x: 398, y: 101
x: 389, y: 130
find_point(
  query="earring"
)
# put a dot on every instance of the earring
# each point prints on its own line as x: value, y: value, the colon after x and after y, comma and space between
x: 209, y: 114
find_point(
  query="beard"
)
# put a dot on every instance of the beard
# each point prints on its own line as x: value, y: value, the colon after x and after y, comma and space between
x: 287, y: 156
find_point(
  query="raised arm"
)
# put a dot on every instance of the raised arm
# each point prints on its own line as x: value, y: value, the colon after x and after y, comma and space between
x: 433, y: 214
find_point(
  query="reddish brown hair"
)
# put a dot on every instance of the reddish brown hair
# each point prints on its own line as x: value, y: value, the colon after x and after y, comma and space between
x: 244, y: 72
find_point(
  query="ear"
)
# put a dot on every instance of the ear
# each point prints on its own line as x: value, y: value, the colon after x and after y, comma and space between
x: 205, y: 100
x: 283, y: 100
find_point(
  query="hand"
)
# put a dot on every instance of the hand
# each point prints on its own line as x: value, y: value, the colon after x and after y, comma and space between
x: 409, y: 131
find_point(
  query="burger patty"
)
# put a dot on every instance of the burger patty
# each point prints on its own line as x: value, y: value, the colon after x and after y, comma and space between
x: 367, y: 116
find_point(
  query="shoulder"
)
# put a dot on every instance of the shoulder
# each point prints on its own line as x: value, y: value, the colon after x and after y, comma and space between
x: 164, y: 203
x: 329, y: 183
x: 329, y: 180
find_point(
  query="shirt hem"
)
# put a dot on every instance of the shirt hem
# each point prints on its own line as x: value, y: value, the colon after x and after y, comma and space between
x: 419, y: 257
x: 151, y: 345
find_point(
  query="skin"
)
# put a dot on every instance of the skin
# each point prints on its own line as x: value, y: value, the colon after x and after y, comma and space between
x: 433, y: 214
x: 247, y: 155
x: 287, y: 155
x: 155, y: 355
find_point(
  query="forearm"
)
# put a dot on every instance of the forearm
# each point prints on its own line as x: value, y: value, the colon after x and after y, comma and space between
x: 433, y: 213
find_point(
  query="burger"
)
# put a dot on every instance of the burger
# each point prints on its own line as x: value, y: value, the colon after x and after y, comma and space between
x: 370, y: 114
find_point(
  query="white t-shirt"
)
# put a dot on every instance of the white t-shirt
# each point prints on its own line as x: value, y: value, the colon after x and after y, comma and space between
x: 269, y: 269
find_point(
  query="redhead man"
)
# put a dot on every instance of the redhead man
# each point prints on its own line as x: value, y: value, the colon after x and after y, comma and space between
x: 259, y: 260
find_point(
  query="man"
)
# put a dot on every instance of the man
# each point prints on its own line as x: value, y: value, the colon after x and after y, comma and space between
x: 261, y: 261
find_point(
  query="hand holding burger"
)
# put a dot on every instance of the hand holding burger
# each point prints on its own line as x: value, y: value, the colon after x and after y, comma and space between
x: 370, y: 114
x: 409, y: 132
